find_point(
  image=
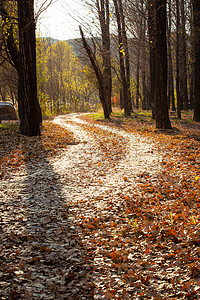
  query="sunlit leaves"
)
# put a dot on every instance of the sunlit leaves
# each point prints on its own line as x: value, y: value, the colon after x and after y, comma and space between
x: 17, y: 150
x: 140, y: 233
x: 62, y: 81
x: 165, y: 211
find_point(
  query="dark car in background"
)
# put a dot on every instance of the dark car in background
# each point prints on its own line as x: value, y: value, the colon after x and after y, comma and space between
x: 7, y: 111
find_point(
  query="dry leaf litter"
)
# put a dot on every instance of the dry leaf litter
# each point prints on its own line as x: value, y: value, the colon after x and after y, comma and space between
x: 79, y: 226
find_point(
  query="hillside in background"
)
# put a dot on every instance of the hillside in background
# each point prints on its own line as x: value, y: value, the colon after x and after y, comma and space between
x: 75, y: 43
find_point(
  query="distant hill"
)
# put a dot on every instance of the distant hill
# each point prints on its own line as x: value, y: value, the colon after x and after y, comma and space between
x: 75, y: 43
x: 49, y: 40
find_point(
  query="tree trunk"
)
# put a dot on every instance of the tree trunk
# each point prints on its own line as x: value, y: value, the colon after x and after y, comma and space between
x: 162, y: 115
x: 171, y: 100
x: 196, y: 12
x: 183, y: 63
x: 29, y: 109
x: 122, y: 53
x: 143, y: 63
x: 191, y: 58
x: 98, y: 74
x: 104, y: 17
x: 152, y: 51
x: 128, y: 105
x: 178, y: 96
x: 138, y: 78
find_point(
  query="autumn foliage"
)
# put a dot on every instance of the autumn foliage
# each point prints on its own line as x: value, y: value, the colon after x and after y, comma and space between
x: 16, y: 150
x: 138, y: 229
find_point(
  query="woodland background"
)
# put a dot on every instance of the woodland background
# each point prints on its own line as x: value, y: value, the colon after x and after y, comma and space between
x: 101, y: 205
x: 123, y: 40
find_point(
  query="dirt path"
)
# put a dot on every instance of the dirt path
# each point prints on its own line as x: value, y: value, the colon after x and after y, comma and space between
x: 57, y: 250
x: 141, y: 156
x: 87, y: 174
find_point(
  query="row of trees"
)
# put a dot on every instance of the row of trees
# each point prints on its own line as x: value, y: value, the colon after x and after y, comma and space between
x: 146, y: 53
x: 42, y: 75
x: 156, y: 46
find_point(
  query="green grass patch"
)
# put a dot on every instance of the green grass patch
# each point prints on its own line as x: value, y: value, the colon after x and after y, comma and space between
x: 9, y: 127
x: 119, y: 116
x: 96, y: 116
x: 141, y: 116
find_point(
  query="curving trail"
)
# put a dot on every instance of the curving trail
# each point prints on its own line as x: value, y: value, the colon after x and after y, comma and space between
x: 140, y: 157
x: 52, y: 254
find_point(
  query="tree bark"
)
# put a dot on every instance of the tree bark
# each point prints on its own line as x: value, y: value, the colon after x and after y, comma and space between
x: 171, y: 100
x: 104, y: 18
x: 137, y: 81
x: 178, y: 96
x: 162, y: 115
x: 143, y: 61
x: 196, y: 13
x: 152, y: 51
x: 123, y: 52
x: 29, y: 109
x: 191, y: 58
x: 183, y: 60
x: 98, y: 74
x: 128, y: 105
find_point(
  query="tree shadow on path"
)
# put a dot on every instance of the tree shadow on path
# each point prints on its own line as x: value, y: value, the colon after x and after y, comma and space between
x: 48, y: 260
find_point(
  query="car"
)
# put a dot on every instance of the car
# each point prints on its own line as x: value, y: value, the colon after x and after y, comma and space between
x: 7, y: 111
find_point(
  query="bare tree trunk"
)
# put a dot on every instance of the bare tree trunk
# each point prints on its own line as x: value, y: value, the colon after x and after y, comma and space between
x: 144, y: 91
x: 191, y: 57
x: 24, y: 61
x: 138, y: 81
x: 171, y: 100
x: 98, y: 74
x: 138, y: 59
x: 162, y: 115
x: 29, y: 109
x: 122, y: 53
x: 128, y: 106
x: 178, y: 61
x: 143, y: 63
x: 152, y: 50
x: 183, y: 63
x: 104, y: 18
x: 196, y: 12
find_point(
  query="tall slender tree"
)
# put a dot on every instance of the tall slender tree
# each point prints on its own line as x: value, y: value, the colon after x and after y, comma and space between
x: 183, y: 58
x: 24, y: 60
x: 99, y: 75
x: 178, y: 96
x: 102, y: 71
x: 123, y: 56
x: 162, y: 115
x: 103, y: 8
x: 171, y: 99
x: 191, y: 53
x: 29, y: 109
x: 196, y: 13
x: 152, y: 51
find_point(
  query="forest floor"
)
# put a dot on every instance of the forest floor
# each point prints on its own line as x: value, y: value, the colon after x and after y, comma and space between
x: 99, y: 209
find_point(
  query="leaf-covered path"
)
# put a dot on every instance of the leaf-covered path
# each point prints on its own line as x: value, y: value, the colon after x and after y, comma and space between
x: 104, y: 219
